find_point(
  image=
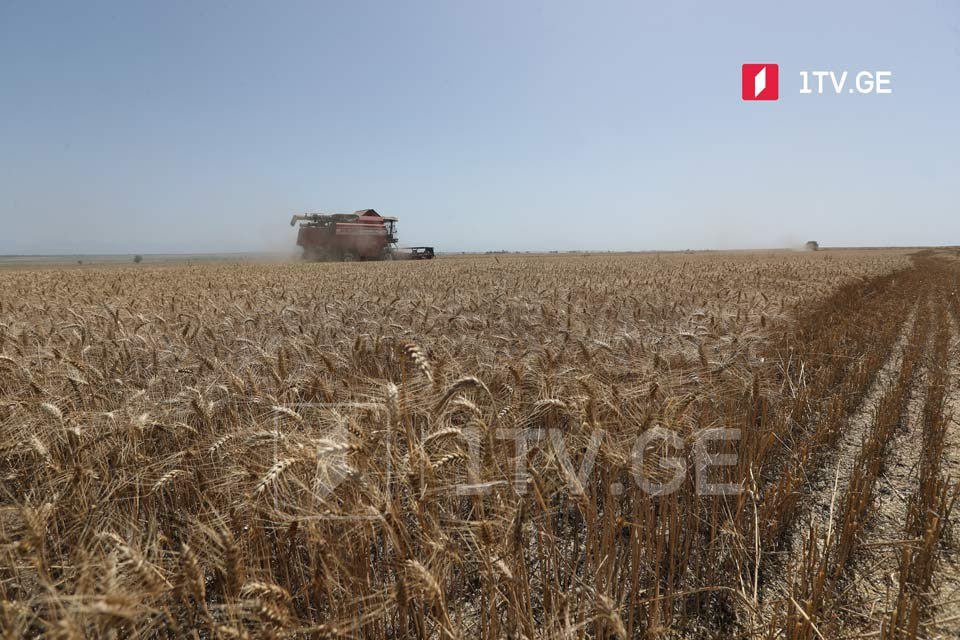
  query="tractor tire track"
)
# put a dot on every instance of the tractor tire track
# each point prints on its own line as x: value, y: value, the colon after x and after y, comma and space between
x: 830, y: 481
x: 872, y: 576
x: 946, y: 597
x: 875, y: 579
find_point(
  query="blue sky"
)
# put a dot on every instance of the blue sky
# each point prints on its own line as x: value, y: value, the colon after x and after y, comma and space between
x: 202, y: 126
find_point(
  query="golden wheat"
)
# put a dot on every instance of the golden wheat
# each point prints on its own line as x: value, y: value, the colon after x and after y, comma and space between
x: 370, y: 450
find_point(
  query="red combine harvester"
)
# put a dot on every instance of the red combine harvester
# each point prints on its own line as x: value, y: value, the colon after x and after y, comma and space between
x: 361, y: 235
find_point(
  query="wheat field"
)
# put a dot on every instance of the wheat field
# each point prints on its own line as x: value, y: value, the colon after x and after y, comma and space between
x: 699, y: 445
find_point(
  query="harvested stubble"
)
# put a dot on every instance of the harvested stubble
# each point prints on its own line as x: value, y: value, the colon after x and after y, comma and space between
x: 265, y: 450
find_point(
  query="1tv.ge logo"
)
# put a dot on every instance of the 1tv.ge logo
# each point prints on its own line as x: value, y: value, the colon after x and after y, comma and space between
x: 762, y: 82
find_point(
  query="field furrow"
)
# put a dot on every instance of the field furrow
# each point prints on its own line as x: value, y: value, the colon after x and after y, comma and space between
x: 871, y: 581
x: 877, y: 577
x: 831, y: 481
x: 946, y: 583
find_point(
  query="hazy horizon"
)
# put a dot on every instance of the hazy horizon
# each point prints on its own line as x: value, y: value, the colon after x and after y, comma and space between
x: 200, y: 128
x: 294, y: 251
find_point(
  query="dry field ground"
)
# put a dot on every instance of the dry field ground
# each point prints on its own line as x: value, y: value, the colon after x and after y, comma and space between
x: 755, y: 445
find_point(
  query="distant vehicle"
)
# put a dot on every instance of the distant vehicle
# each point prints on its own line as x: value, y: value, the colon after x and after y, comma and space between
x: 813, y: 245
x: 415, y: 253
x: 361, y: 235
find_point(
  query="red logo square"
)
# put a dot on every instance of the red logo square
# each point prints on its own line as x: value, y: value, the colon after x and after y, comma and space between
x: 761, y: 81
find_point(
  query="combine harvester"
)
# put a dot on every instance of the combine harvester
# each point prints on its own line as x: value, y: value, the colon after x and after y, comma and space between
x: 361, y: 235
